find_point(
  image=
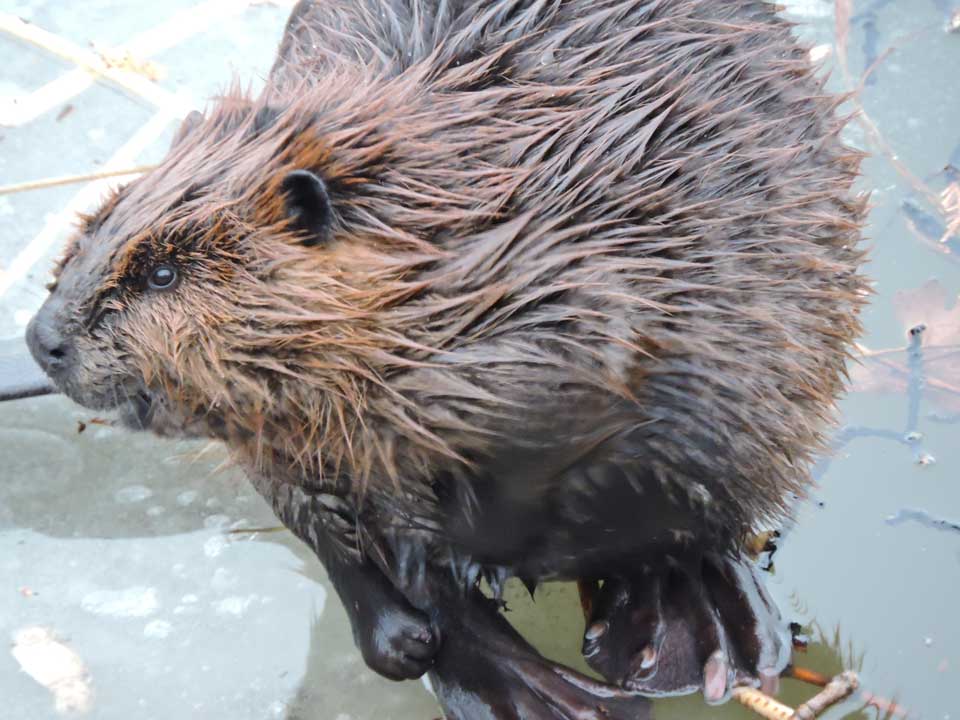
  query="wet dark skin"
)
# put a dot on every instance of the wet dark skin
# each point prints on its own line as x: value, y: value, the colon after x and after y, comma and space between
x: 672, y: 606
x: 480, y: 667
x: 668, y: 618
x: 699, y: 620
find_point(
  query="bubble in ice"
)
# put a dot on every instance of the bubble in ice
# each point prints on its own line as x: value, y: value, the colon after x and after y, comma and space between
x: 137, y: 601
x: 186, y: 497
x: 158, y: 629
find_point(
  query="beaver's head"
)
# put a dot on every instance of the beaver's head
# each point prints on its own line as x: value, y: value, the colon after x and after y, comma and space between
x: 237, y: 290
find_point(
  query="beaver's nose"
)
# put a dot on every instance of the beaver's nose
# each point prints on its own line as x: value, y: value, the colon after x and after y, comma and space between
x: 46, y: 343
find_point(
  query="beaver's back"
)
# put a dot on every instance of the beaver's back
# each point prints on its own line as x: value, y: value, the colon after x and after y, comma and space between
x: 563, y: 232
x: 658, y: 203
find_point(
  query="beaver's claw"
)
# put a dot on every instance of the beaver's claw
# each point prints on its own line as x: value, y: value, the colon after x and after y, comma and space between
x: 705, y: 625
x: 399, y: 644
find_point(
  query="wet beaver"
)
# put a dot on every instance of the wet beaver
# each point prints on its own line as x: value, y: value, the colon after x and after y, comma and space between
x: 535, y: 288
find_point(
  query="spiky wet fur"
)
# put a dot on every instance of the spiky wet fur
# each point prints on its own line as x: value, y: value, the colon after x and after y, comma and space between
x: 560, y: 220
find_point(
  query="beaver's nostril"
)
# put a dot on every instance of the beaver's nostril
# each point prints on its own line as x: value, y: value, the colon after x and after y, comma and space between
x: 50, y: 344
x: 47, y: 344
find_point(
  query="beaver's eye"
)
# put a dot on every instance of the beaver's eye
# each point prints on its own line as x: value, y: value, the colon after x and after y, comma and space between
x: 163, y: 277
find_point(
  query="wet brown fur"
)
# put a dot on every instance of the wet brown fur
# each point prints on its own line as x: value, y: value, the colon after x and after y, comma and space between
x: 557, y: 220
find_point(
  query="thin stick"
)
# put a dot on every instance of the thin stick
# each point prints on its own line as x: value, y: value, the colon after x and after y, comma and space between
x: 762, y: 704
x: 52, y: 232
x: 842, y: 14
x: 172, y: 32
x: 840, y: 688
x: 930, y: 382
x: 91, y: 62
x: 256, y: 530
x: 837, y: 689
x: 811, y: 677
x: 71, y: 179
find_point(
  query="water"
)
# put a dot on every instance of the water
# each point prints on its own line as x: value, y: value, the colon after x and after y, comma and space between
x: 145, y: 579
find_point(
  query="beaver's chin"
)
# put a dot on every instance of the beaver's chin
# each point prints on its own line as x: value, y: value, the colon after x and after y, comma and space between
x: 134, y: 408
x: 100, y: 396
x: 146, y: 411
x: 138, y: 408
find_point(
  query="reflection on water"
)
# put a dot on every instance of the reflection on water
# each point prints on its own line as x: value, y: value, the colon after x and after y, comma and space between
x: 119, y: 562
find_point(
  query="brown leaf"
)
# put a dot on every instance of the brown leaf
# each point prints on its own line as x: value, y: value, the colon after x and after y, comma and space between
x: 931, y: 305
x: 887, y: 371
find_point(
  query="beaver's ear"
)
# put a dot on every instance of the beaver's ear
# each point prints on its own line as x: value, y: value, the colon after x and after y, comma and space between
x: 189, y: 124
x: 308, y: 206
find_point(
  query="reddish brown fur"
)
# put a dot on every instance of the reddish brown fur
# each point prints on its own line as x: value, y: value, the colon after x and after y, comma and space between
x: 539, y: 207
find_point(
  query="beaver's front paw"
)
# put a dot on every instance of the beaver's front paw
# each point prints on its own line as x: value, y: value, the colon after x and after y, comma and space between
x: 396, y: 642
x: 701, y: 625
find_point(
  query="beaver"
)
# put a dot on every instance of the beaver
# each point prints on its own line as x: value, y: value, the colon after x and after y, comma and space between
x: 548, y: 289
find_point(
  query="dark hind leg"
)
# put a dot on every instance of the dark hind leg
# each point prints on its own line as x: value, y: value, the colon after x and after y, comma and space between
x: 704, y: 623
x: 486, y: 671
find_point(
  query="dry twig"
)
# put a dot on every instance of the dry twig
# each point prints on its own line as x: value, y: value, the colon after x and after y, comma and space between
x: 840, y: 688
x: 71, y: 179
x: 843, y: 14
x: 834, y: 690
x: 762, y: 704
x: 91, y: 62
x: 811, y: 677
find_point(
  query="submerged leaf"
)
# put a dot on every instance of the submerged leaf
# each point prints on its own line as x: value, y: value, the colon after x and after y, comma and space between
x: 931, y: 305
x: 888, y: 371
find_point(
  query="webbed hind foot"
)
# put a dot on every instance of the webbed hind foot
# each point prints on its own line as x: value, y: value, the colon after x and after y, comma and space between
x: 705, y: 624
x: 486, y: 670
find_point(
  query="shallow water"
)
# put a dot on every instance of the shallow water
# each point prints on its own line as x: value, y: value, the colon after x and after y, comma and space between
x: 152, y: 571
